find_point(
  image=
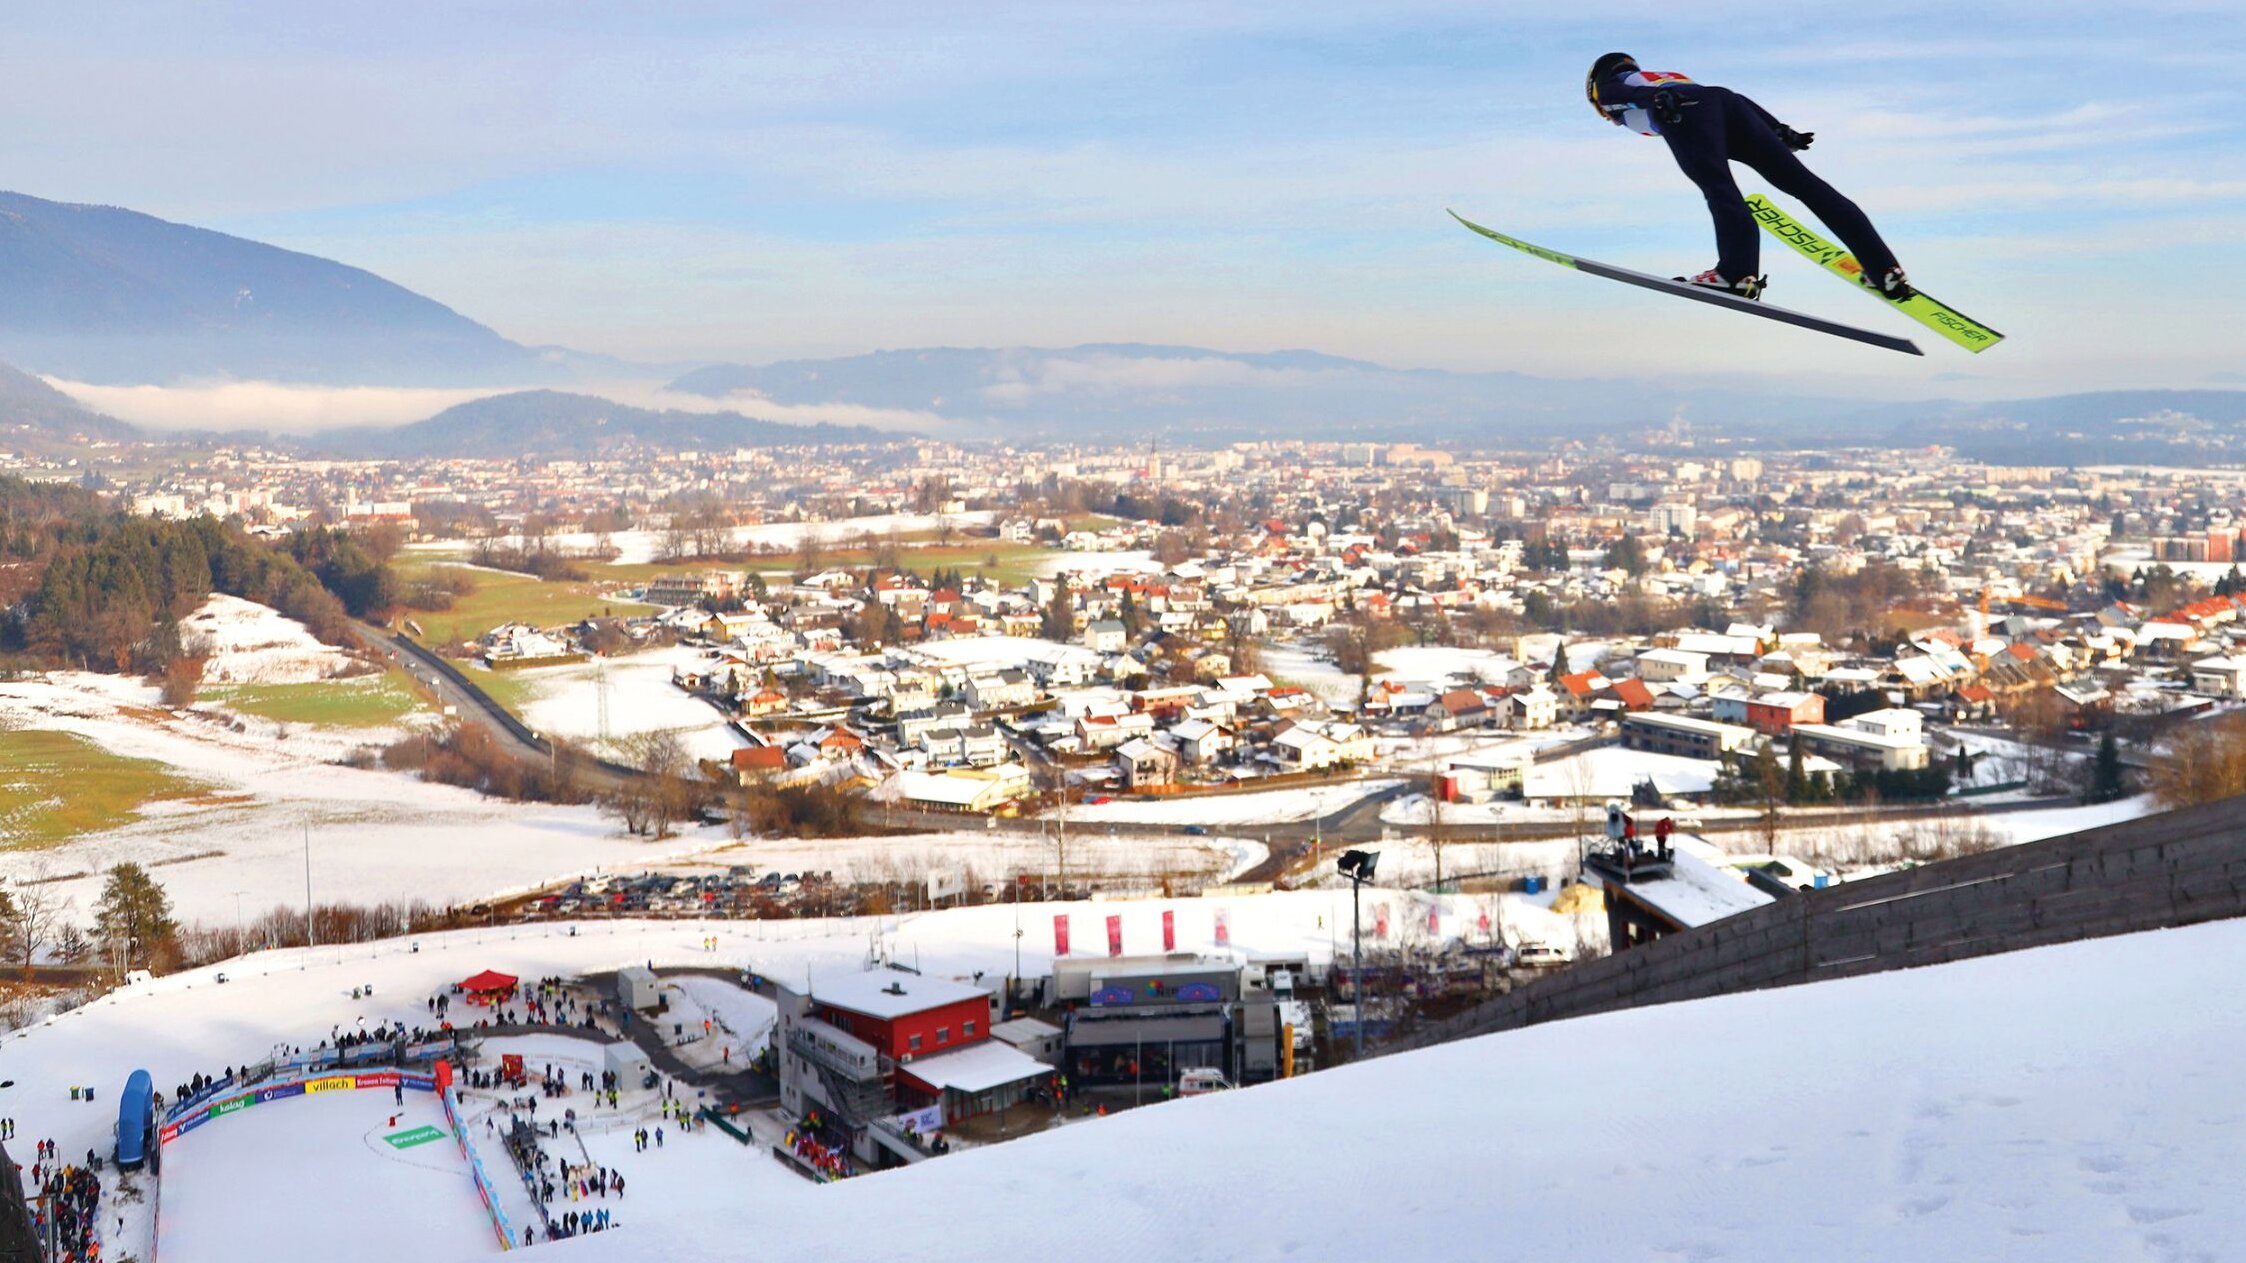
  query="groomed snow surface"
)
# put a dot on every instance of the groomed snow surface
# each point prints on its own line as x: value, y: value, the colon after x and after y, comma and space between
x: 313, y: 1177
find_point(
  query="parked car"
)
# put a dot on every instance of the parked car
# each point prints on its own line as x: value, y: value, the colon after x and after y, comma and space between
x: 1197, y: 830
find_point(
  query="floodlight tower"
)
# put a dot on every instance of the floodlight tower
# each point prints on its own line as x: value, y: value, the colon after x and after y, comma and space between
x: 1358, y: 867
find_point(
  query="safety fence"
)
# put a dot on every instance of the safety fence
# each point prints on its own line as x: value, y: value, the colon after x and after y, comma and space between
x: 282, y: 1090
x: 304, y: 1065
x: 484, y: 1190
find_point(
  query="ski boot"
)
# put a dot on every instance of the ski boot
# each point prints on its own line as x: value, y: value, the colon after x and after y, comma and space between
x: 1894, y: 286
x: 1749, y: 287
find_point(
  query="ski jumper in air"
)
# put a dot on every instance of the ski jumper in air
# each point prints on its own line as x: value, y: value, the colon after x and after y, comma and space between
x: 1707, y: 129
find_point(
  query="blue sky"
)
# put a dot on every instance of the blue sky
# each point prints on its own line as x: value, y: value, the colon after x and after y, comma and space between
x: 676, y: 181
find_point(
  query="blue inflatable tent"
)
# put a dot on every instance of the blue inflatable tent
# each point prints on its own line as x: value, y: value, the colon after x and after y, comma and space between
x: 136, y: 1121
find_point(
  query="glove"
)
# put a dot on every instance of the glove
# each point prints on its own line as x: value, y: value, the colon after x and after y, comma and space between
x: 1796, y: 141
x: 1667, y: 109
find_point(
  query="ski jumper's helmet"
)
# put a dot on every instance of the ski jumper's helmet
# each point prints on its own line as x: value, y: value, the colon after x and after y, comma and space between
x: 1600, y: 69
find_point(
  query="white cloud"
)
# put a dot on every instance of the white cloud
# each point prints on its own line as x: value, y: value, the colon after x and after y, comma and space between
x: 259, y: 405
x: 286, y: 408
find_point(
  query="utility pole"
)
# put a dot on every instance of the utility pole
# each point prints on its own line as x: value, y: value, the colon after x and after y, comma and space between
x: 311, y: 928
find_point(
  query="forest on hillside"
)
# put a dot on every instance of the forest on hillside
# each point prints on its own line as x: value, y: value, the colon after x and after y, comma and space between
x: 85, y: 584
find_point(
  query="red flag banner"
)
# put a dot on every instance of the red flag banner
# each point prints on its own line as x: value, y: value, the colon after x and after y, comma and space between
x: 1434, y: 919
x: 1060, y: 934
x: 1224, y: 930
x: 1114, y: 934
x: 1380, y: 920
x: 1169, y: 931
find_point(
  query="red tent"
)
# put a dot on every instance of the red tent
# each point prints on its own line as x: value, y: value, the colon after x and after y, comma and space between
x: 489, y: 980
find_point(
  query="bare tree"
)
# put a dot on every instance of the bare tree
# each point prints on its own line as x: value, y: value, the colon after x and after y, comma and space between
x: 811, y: 547
x: 2205, y: 762
x: 33, y: 912
x: 1437, y: 832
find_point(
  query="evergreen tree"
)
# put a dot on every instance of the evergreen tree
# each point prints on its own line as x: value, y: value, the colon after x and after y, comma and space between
x: 1797, y: 774
x: 134, y: 916
x: 1559, y: 664
x: 1060, y: 614
x: 2106, y: 782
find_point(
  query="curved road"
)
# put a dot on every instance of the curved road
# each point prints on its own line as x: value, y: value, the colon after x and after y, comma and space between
x: 474, y: 706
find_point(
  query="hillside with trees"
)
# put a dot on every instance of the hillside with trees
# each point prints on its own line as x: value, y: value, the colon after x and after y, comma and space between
x: 85, y: 584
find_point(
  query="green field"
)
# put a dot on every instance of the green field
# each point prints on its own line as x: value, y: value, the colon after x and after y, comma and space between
x: 366, y: 701
x: 507, y: 598
x: 1017, y: 563
x: 507, y: 688
x: 59, y: 785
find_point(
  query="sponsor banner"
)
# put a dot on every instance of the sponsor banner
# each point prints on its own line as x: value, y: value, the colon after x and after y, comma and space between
x: 923, y: 1121
x: 1169, y: 931
x: 1115, y: 934
x: 332, y: 1083
x: 274, y: 1093
x: 418, y: 1136
x: 1060, y: 934
x: 379, y: 1079
x: 220, y: 1108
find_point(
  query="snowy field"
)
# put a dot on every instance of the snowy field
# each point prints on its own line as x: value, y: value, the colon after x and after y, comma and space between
x: 641, y: 700
x: 993, y: 653
x: 313, y: 1177
x: 248, y: 643
x: 639, y: 547
x: 1311, y: 667
x: 1614, y: 771
x: 372, y: 835
x: 1240, y: 810
x: 1101, y: 565
x: 1959, y: 1111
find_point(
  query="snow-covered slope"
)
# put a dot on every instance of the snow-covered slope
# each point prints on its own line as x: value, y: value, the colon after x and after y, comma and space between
x: 250, y: 643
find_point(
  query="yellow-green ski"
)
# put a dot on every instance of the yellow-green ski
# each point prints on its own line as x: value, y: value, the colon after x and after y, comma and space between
x: 1934, y: 314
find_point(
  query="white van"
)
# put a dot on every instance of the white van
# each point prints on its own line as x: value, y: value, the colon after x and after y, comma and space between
x: 1201, y: 1080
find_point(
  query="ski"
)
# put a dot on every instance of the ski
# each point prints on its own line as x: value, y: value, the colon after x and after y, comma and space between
x: 1697, y: 293
x: 1931, y: 312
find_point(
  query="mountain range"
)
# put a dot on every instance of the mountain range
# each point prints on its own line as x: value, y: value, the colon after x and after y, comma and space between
x: 106, y: 295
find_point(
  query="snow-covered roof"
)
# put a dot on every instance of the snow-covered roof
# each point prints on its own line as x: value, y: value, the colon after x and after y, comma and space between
x: 891, y: 993
x: 978, y: 1067
x: 1695, y: 892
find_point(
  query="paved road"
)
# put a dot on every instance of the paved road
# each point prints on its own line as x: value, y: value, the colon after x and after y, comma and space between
x: 471, y: 705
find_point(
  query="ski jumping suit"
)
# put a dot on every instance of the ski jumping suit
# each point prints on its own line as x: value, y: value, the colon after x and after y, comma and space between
x: 1710, y: 127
